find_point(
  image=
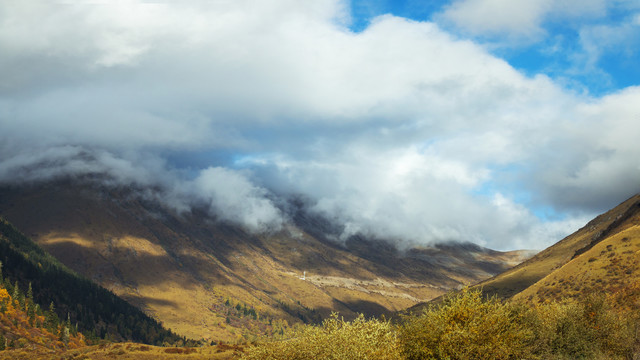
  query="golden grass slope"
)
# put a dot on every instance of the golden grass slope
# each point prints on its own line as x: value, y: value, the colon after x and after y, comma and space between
x: 571, y: 258
x: 610, y: 266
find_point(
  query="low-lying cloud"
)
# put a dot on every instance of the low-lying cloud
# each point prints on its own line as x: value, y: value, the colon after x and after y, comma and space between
x: 401, y: 131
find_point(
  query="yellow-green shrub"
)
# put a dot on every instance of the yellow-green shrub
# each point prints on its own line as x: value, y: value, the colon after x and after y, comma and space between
x: 335, y: 339
x: 466, y: 326
x: 469, y: 327
x: 586, y: 329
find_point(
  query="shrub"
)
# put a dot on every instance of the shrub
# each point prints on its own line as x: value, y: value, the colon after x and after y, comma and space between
x: 335, y: 339
x: 585, y: 329
x: 467, y: 327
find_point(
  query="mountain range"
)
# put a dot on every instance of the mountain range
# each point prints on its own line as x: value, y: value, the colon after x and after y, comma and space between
x: 206, y: 278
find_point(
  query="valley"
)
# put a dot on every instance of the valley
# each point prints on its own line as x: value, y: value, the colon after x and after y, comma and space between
x: 207, y: 279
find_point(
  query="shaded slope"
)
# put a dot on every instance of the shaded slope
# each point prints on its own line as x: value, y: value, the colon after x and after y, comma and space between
x: 207, y: 279
x: 95, y: 310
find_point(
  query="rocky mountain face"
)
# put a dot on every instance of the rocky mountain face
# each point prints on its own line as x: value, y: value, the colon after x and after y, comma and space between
x: 205, y: 278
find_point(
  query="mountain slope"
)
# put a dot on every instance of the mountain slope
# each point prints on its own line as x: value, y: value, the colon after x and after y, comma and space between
x: 579, y: 257
x: 209, y: 279
x: 89, y: 307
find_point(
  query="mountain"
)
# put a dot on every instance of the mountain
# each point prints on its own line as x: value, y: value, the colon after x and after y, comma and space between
x: 602, y: 256
x: 206, y: 278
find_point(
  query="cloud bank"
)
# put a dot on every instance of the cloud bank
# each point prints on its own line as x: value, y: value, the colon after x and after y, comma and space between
x: 402, y: 131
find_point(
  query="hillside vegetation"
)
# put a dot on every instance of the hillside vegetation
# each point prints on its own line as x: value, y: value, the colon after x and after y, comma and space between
x: 93, y: 310
x: 469, y: 326
x: 25, y: 325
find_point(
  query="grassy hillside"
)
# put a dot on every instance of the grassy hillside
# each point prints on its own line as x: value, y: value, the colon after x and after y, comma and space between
x: 91, y: 308
x: 574, y: 257
x: 610, y: 266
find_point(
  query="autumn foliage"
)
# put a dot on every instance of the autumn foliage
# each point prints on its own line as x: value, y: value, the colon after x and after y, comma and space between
x: 469, y: 326
x: 24, y: 325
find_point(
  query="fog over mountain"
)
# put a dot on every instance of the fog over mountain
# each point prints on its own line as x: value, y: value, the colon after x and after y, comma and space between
x: 405, y: 130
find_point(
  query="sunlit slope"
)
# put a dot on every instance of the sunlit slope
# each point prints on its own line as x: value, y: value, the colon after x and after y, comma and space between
x: 206, y: 279
x: 611, y: 266
x: 577, y: 246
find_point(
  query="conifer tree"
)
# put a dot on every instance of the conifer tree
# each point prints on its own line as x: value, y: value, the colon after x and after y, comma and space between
x: 30, y: 294
x: 16, y: 292
x: 64, y: 335
x: 51, y: 319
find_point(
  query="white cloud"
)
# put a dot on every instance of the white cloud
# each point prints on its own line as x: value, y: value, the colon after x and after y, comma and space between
x: 232, y: 197
x: 517, y: 20
x: 400, y: 131
x: 599, y: 154
x: 622, y: 39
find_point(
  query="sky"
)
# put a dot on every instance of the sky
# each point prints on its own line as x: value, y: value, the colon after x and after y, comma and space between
x: 505, y: 123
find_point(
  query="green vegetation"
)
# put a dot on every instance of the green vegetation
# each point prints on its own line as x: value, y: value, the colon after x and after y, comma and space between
x: 469, y: 326
x: 93, y: 310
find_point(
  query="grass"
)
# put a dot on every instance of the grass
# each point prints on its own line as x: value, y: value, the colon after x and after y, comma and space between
x: 596, y: 234
x: 129, y: 351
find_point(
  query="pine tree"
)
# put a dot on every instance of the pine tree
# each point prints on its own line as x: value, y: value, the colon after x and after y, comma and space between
x: 64, y: 335
x: 30, y: 294
x: 29, y: 305
x: 16, y: 292
x: 51, y: 319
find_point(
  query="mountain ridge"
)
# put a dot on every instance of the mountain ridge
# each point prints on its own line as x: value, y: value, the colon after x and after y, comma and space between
x: 603, y: 256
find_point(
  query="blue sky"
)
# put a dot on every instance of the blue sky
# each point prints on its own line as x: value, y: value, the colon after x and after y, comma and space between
x: 509, y: 124
x: 561, y: 51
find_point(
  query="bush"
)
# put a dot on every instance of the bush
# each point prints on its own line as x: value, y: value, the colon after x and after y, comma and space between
x: 467, y: 327
x: 587, y: 329
x: 335, y: 339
